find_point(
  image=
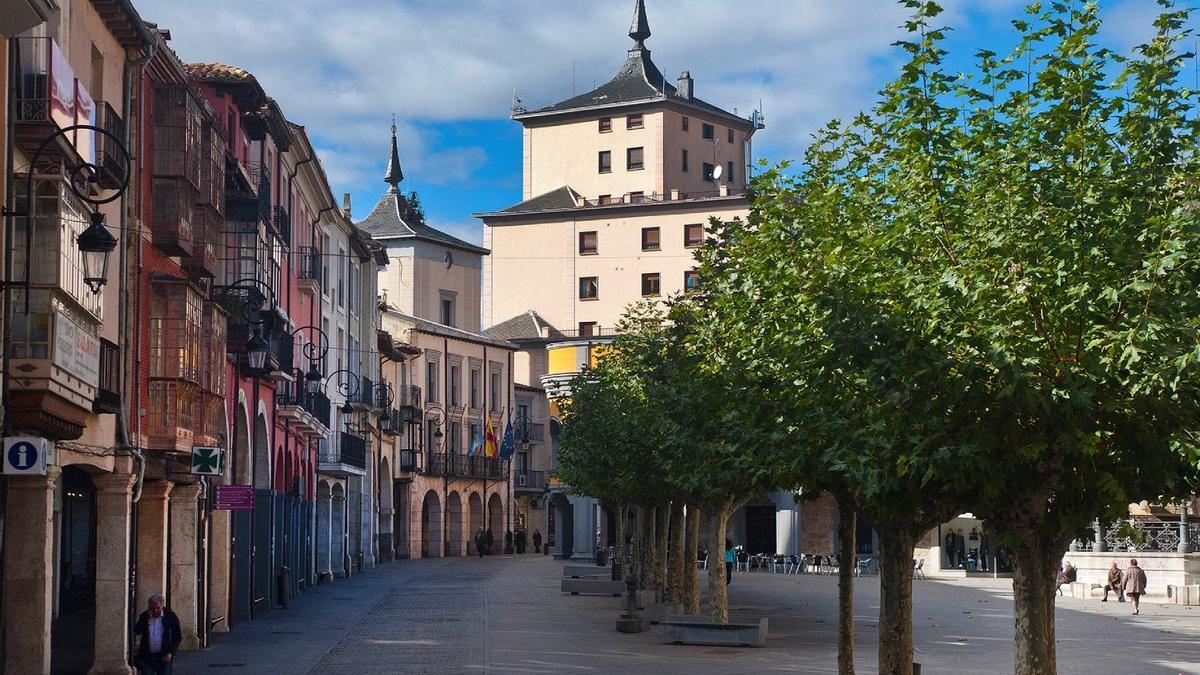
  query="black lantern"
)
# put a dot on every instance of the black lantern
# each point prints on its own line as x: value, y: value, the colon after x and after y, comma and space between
x: 437, y: 434
x: 256, y: 351
x: 385, y: 417
x: 95, y: 243
x: 347, y: 409
x: 312, y: 379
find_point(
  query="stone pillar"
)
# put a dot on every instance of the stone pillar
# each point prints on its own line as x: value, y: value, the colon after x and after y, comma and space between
x: 218, y: 573
x: 152, y: 540
x: 113, y: 529
x: 29, y: 572
x: 1100, y: 544
x: 184, y: 584
x: 1185, y: 546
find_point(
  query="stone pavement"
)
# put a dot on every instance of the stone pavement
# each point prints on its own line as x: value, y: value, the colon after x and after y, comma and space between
x: 505, y: 614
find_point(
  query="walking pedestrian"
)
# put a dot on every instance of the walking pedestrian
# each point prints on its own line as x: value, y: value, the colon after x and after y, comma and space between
x: 488, y: 540
x: 1114, y: 583
x: 1134, y: 584
x: 537, y: 541
x: 728, y: 561
x: 161, y: 634
x: 479, y: 541
x: 508, y: 541
x: 520, y: 538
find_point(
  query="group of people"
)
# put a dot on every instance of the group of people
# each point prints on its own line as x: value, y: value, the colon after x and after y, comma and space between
x: 1129, y: 582
x: 512, y: 542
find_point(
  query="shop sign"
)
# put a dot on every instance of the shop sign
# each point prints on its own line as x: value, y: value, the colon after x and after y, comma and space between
x: 75, y: 350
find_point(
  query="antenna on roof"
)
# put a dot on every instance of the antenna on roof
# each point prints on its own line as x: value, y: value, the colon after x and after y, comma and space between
x: 517, y: 106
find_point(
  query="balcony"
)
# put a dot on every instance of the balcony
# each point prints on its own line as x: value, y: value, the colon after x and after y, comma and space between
x: 213, y: 149
x: 171, y: 225
x: 110, y: 160
x: 409, y: 461
x: 282, y: 222
x: 280, y: 356
x: 248, y: 191
x: 365, y: 396
x: 409, y: 400
x: 347, y: 456
x: 207, y: 240
x: 396, y: 424
x: 529, y: 482
x: 309, y: 412
x: 47, y: 100
x: 108, y: 396
x: 308, y: 269
x: 455, y: 465
x: 177, y: 135
x: 533, y: 432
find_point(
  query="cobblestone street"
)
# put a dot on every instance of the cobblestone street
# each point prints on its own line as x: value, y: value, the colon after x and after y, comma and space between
x: 506, y: 614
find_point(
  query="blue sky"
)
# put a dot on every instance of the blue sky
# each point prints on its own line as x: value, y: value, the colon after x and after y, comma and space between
x: 448, y: 70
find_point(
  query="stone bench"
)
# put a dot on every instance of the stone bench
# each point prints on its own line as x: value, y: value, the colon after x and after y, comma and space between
x: 1183, y: 595
x: 681, y: 630
x: 593, y: 587
x: 643, y: 597
x: 657, y: 612
x: 1079, y: 589
x: 586, y: 572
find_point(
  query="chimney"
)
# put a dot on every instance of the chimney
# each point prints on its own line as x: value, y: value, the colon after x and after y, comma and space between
x: 683, y: 87
x: 346, y: 203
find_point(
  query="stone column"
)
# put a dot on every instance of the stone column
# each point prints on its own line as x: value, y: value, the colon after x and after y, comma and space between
x: 152, y: 540
x: 218, y: 576
x: 113, y: 530
x: 184, y: 584
x: 29, y: 572
x: 1100, y: 543
x: 1185, y: 546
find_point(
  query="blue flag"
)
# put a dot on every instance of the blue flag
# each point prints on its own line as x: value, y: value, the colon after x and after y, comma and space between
x: 509, y: 445
x: 476, y: 441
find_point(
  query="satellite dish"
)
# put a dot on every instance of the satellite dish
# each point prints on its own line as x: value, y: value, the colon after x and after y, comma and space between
x: 717, y: 172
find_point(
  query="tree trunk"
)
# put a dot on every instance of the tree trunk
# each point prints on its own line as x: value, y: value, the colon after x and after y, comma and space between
x: 619, y: 553
x: 691, y: 577
x: 718, y: 591
x: 677, y: 555
x: 1035, y: 564
x: 640, y: 558
x: 895, y: 600
x: 660, y: 551
x: 847, y: 524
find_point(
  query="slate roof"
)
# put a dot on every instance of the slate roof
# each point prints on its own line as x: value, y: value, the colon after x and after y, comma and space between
x: 526, y: 326
x: 386, y: 222
x: 562, y: 198
x: 434, y: 328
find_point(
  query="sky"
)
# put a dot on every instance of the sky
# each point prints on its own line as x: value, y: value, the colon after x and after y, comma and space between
x: 449, y: 70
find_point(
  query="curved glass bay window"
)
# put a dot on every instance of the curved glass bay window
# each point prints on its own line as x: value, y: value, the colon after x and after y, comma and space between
x: 56, y: 263
x: 176, y: 326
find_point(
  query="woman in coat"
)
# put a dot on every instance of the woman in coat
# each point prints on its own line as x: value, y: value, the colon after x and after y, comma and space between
x: 1135, y: 583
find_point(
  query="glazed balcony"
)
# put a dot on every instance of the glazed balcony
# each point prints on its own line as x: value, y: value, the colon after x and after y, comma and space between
x: 174, y: 211
x: 170, y: 422
x: 207, y: 242
x: 248, y: 191
x: 212, y: 167
x: 177, y: 134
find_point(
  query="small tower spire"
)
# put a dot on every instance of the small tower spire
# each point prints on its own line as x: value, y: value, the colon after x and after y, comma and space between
x: 639, y: 30
x: 394, y: 173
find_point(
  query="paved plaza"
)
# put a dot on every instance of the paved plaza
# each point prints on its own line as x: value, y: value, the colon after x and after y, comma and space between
x: 505, y: 614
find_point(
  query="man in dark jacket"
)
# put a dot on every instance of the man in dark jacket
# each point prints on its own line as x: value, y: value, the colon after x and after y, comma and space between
x: 161, y: 634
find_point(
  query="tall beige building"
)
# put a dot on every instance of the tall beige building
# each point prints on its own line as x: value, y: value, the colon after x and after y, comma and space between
x: 619, y: 184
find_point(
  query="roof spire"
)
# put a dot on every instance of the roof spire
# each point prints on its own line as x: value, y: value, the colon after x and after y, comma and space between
x: 394, y: 173
x: 639, y: 30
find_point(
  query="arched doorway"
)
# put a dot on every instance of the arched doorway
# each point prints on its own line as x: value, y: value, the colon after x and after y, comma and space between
x: 475, y: 514
x: 496, y: 521
x: 264, y: 518
x: 220, y: 573
x: 384, y: 521
x: 243, y: 474
x: 337, y: 541
x: 454, y: 533
x: 431, y: 525
x: 324, y: 532
x: 73, y: 627
x: 262, y: 455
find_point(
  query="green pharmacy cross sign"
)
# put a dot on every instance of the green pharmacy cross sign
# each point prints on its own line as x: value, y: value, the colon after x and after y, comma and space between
x: 208, y: 461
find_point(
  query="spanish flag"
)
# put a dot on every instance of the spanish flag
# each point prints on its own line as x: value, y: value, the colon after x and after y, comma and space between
x: 490, y: 447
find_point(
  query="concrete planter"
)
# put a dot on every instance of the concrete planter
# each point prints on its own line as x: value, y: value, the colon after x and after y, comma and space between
x: 1183, y: 595
x: 657, y: 612
x: 586, y: 572
x: 696, y: 631
x: 593, y: 587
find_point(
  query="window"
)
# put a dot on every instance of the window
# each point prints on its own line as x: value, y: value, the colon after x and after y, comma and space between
x: 431, y: 381
x: 447, y: 307
x: 587, y: 328
x: 476, y: 382
x: 352, y: 295
x: 731, y: 135
x: 685, y: 162
x: 633, y: 122
x: 686, y: 122
x: 604, y: 200
x: 637, y: 197
x: 691, y: 281
x: 707, y: 132
x: 589, y: 288
x: 693, y: 235
x: 650, y: 285
x: 729, y: 172
x: 633, y: 159
x: 341, y: 277
x: 605, y: 125
x: 453, y: 385
x: 325, y: 265
x: 708, y: 172
x: 455, y: 437
x: 587, y: 243
x: 495, y: 392
x: 650, y: 238
x: 605, y: 161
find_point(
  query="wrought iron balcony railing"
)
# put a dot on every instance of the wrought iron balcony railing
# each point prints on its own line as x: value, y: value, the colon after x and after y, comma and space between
x: 282, y: 222
x: 534, y: 481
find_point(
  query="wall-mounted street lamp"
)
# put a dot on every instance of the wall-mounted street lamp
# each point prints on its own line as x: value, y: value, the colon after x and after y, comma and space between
x: 95, y: 244
x: 257, y: 295
x: 315, y: 353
